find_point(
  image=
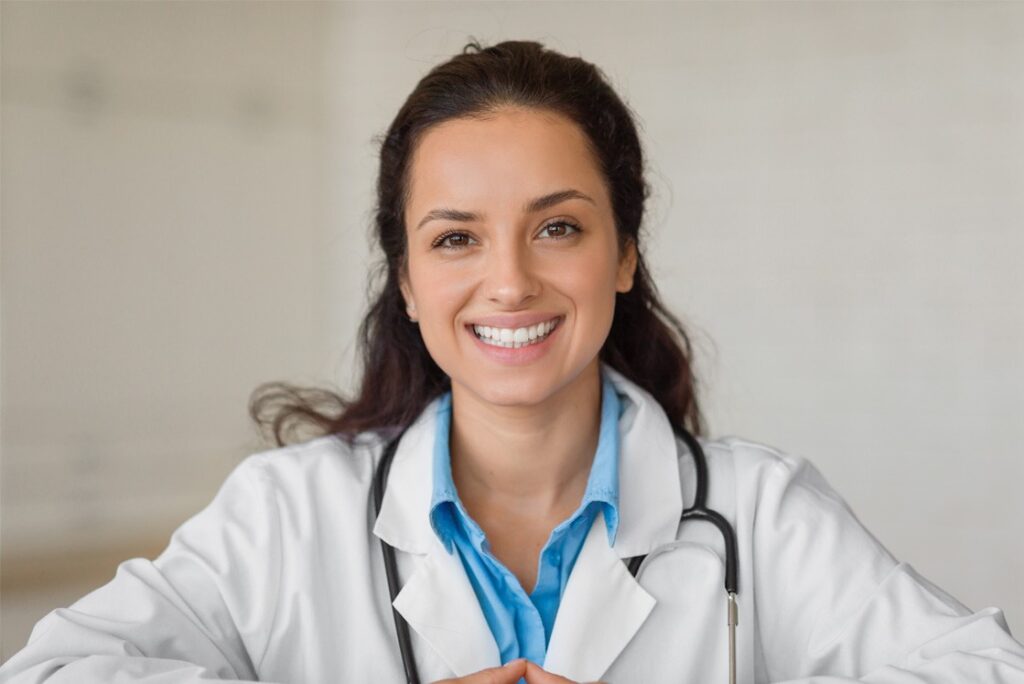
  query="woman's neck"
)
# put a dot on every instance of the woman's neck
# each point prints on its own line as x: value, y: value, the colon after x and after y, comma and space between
x: 528, y: 458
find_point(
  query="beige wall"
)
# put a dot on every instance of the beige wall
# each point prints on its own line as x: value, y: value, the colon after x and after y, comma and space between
x: 163, y: 180
x: 186, y: 187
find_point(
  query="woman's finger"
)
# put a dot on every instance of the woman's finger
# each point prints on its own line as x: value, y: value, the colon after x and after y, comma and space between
x: 510, y: 673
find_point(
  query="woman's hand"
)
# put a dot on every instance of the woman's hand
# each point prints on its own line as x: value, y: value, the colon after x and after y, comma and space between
x: 511, y: 673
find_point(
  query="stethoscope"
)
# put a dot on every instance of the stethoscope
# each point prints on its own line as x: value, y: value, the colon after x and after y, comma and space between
x: 698, y: 511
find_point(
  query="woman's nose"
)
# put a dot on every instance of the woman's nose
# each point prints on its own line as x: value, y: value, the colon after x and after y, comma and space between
x: 511, y: 280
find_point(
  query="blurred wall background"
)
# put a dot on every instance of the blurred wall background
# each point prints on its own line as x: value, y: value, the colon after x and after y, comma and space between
x: 186, y: 189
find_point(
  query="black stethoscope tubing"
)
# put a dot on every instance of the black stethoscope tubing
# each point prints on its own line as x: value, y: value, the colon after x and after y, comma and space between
x: 698, y: 511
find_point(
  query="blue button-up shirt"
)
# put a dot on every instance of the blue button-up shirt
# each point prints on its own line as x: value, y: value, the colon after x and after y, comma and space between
x: 521, y: 622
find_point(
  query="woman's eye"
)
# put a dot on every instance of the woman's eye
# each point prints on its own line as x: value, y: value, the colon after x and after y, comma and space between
x: 452, y: 240
x: 559, y: 229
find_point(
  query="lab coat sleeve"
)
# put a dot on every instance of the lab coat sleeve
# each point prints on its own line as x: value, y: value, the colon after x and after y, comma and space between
x: 201, y: 611
x: 834, y: 606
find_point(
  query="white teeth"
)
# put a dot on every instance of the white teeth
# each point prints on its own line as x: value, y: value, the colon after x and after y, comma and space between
x: 513, y: 337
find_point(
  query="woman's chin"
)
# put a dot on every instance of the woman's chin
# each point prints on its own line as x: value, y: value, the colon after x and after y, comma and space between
x: 507, y: 390
x: 511, y: 394
x: 522, y: 387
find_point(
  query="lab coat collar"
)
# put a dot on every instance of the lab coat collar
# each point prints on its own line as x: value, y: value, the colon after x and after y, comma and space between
x: 650, y: 500
x: 603, y: 605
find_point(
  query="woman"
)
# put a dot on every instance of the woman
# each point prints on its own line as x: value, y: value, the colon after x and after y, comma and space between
x: 522, y: 384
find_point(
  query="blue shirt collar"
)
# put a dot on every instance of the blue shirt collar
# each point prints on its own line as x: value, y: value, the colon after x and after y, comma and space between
x: 602, y: 483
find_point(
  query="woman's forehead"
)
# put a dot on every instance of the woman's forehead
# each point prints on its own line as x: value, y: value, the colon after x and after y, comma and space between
x: 505, y: 159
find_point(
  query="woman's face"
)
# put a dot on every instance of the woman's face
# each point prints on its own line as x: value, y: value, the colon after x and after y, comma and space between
x: 513, y: 259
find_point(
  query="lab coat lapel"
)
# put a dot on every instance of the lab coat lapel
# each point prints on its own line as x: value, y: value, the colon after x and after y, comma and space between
x: 404, y: 520
x: 650, y: 496
x: 602, y: 608
x: 437, y: 599
x: 603, y: 605
x: 439, y: 603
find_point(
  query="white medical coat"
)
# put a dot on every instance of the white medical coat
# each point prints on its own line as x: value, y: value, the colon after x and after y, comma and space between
x: 281, y: 579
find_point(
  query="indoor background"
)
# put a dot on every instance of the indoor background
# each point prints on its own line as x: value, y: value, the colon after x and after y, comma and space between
x: 187, y: 188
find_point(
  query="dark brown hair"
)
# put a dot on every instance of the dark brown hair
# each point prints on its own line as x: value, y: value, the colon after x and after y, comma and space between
x: 647, y: 344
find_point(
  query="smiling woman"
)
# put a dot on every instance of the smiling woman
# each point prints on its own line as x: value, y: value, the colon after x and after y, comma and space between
x: 523, y: 467
x: 526, y: 252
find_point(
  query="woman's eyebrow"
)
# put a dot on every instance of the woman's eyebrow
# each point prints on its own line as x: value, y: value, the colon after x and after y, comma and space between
x: 447, y: 215
x: 554, y: 198
x: 535, y: 205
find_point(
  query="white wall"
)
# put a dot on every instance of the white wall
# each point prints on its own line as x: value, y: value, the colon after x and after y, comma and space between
x: 187, y: 188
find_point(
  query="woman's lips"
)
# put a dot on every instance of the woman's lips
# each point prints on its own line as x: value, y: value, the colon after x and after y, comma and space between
x: 527, y: 351
x: 515, y: 337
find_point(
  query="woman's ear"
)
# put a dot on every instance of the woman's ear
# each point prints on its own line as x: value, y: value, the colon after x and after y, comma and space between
x: 627, y: 267
x: 410, y: 303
